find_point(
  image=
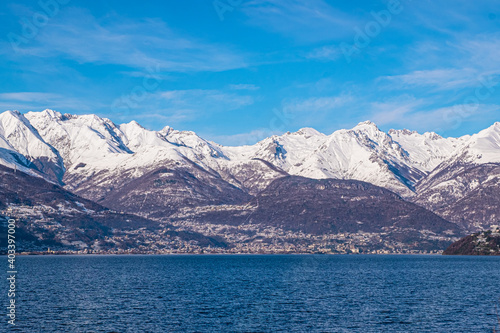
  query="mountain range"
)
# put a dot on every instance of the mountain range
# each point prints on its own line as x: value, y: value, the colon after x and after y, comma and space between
x: 170, y: 176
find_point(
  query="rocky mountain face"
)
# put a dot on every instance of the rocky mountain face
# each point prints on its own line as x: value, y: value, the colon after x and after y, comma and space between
x: 465, y: 188
x: 49, y: 216
x: 89, y: 145
x: 470, y: 198
x: 102, y: 160
x: 346, y: 206
x: 332, y: 207
x: 485, y: 243
x: 159, y: 173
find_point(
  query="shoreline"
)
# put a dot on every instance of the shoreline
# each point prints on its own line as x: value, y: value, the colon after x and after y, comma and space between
x: 45, y: 254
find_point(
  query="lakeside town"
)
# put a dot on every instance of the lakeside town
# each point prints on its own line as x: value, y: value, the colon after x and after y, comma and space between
x: 53, y: 237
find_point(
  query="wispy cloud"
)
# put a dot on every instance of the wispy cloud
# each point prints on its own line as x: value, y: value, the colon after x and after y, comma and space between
x: 303, y: 20
x: 481, y: 51
x: 439, y: 17
x: 417, y: 114
x: 316, y: 104
x: 29, y: 96
x: 454, y: 63
x: 243, y: 86
x: 208, y: 99
x: 325, y: 53
x: 393, y: 111
x: 178, y: 107
x: 135, y: 43
x: 441, y: 79
x: 37, y: 101
x: 314, y: 112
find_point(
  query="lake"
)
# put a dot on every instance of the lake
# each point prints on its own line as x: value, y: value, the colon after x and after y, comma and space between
x: 256, y: 293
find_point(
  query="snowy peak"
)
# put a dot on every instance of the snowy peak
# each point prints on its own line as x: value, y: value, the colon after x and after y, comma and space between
x: 406, y: 132
x: 493, y: 132
x: 426, y: 151
x: 432, y: 136
x: 288, y: 150
x: 19, y: 136
x: 78, y: 138
x: 368, y: 128
x: 89, y: 144
x: 482, y: 147
x: 366, y: 124
x: 165, y: 130
x: 368, y: 134
x: 136, y: 137
x: 308, y: 132
x: 362, y: 153
x: 51, y: 114
x: 401, y: 132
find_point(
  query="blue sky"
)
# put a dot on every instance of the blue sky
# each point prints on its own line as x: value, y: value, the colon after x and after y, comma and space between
x: 236, y: 71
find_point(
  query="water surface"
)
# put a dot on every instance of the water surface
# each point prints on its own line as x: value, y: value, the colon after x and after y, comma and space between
x: 256, y: 293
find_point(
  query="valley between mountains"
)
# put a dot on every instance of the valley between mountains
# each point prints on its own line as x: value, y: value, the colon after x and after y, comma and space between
x: 80, y: 183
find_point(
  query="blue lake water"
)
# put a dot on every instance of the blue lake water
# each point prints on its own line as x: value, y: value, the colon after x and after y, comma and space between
x: 256, y: 293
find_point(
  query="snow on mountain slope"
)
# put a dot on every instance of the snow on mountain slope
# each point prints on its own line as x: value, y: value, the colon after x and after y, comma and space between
x: 14, y: 160
x: 103, y: 160
x: 18, y: 135
x: 463, y: 188
x: 134, y: 169
x: 78, y: 138
x: 362, y: 153
x: 467, y: 194
x: 95, y: 148
x: 286, y: 150
x: 135, y: 136
x: 184, y: 143
x: 9, y: 157
x: 483, y: 147
x: 478, y: 149
x: 426, y: 151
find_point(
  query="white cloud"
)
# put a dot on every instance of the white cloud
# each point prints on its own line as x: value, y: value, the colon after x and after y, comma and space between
x: 243, y: 86
x: 135, y: 43
x: 441, y: 79
x: 455, y: 64
x: 394, y: 111
x: 481, y: 51
x: 414, y: 114
x: 316, y: 104
x: 327, y: 53
x: 29, y: 96
x: 304, y: 20
x: 37, y: 101
x: 206, y: 99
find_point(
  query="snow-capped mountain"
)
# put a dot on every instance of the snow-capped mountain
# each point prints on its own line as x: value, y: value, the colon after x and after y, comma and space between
x: 78, y: 138
x: 22, y: 147
x: 426, y: 151
x: 110, y: 164
x: 478, y: 149
x: 363, y: 153
x: 465, y: 188
x: 87, y: 145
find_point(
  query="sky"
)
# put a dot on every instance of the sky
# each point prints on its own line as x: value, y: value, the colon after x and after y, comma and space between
x: 237, y: 71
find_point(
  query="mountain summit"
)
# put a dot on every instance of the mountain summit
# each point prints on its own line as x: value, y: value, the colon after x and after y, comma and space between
x: 108, y: 163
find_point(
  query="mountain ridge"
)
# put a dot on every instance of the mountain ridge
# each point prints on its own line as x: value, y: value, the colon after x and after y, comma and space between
x: 95, y: 158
